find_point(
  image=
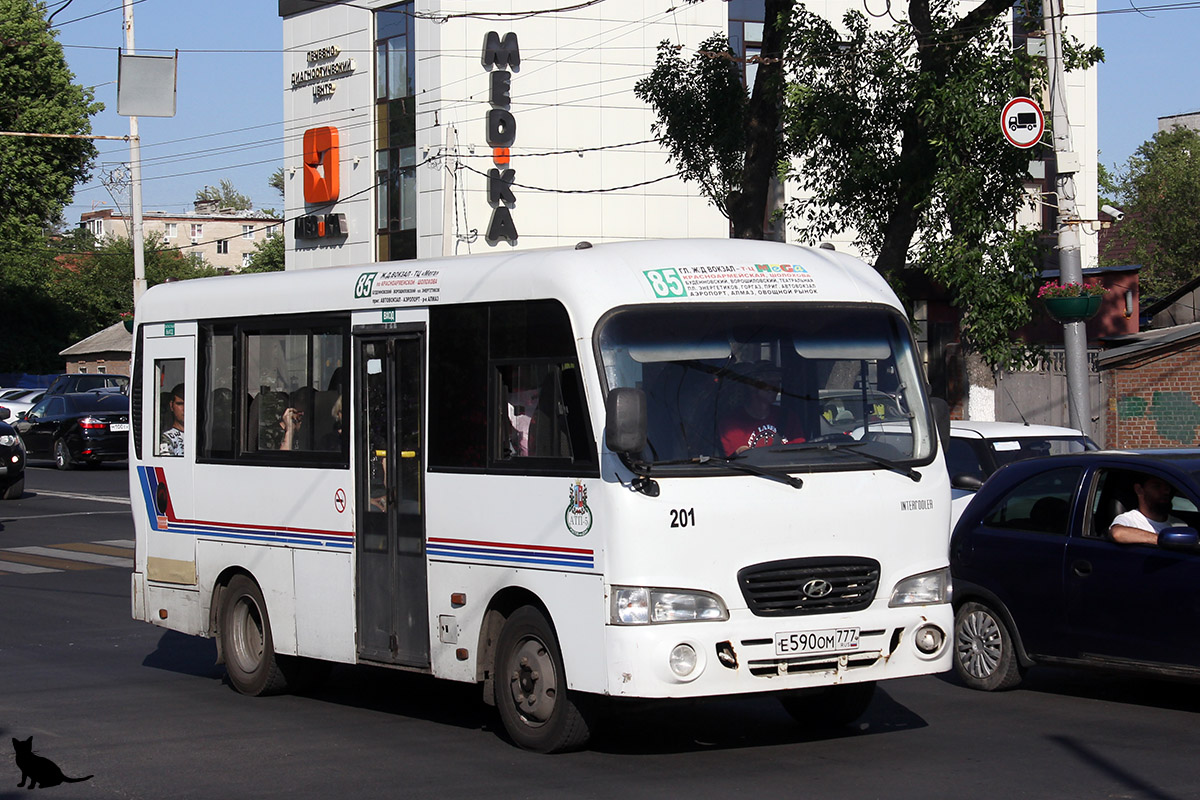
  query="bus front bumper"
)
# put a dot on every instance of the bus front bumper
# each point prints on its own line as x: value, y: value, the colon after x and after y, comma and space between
x: 744, y: 654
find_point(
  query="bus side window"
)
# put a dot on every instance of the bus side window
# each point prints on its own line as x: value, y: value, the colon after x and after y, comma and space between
x: 171, y: 413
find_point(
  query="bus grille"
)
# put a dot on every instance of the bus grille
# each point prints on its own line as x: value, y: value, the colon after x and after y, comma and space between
x: 777, y: 588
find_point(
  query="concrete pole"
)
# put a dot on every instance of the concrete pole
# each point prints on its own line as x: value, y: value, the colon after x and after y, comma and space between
x: 1070, y: 264
x: 135, y: 176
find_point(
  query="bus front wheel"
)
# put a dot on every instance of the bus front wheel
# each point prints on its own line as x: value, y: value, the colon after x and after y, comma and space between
x: 246, y: 641
x: 537, y: 710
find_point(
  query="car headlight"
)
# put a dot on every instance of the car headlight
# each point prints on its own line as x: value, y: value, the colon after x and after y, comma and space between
x: 640, y: 605
x: 926, y: 589
x: 9, y: 439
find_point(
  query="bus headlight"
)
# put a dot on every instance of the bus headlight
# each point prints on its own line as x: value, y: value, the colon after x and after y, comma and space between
x: 926, y: 589
x: 640, y: 605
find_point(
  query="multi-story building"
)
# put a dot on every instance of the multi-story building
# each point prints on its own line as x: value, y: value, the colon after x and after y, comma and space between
x: 223, y: 237
x: 440, y: 127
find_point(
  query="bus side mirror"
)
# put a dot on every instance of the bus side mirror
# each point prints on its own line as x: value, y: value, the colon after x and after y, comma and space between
x: 941, y: 420
x: 625, y: 423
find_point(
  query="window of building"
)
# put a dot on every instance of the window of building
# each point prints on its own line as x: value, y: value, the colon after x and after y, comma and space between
x: 247, y: 231
x: 197, y: 230
x: 395, y: 144
x: 246, y: 259
x: 222, y: 247
x: 96, y: 227
x: 171, y: 230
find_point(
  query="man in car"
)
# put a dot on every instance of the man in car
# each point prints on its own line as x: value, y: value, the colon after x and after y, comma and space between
x: 754, y: 422
x: 1152, y: 515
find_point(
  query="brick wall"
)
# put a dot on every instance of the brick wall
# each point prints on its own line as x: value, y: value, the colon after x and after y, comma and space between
x: 1156, y: 402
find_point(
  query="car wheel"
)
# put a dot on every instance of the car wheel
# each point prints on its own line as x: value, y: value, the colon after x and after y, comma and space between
x: 15, y: 489
x: 984, y: 653
x: 828, y: 708
x: 530, y: 687
x: 246, y: 642
x: 62, y: 456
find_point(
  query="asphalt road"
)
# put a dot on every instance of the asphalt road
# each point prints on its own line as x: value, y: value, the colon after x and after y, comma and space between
x: 149, y: 714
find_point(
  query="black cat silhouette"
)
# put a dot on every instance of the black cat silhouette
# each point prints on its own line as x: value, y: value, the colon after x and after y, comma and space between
x: 40, y: 771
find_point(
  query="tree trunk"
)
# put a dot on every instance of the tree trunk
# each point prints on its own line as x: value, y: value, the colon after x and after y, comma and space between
x: 748, y: 207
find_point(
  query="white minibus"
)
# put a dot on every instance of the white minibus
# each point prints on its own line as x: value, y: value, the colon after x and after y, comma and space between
x: 633, y: 470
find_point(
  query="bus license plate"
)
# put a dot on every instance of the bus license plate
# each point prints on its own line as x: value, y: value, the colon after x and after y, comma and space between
x: 119, y: 427
x: 833, y: 640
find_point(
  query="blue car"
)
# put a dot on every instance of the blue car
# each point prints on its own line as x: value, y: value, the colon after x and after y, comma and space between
x: 1038, y: 579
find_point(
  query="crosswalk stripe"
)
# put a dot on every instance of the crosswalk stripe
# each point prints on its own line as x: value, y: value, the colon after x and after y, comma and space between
x: 19, y: 562
x: 127, y: 543
x: 27, y: 569
x: 92, y: 558
x: 92, y: 497
x: 99, y: 549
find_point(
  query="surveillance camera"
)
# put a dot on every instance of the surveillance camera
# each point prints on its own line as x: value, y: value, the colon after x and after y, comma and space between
x: 1115, y: 213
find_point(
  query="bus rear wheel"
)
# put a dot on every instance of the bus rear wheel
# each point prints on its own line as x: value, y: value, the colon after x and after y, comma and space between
x: 537, y: 710
x: 246, y: 642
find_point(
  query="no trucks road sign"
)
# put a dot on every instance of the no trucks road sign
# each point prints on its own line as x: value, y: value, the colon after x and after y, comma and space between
x: 1022, y: 122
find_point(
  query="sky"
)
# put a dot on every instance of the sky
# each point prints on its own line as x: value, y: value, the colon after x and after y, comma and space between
x: 229, y: 120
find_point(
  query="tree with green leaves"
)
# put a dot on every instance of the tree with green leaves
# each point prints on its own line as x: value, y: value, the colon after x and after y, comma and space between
x: 267, y: 255
x: 888, y: 132
x: 225, y: 196
x: 1159, y: 191
x: 97, y: 282
x: 37, y: 96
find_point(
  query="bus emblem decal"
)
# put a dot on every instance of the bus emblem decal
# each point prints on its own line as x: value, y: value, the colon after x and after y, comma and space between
x: 578, y: 516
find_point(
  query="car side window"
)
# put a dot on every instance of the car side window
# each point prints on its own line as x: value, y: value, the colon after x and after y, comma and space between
x: 1041, y: 503
x: 962, y: 459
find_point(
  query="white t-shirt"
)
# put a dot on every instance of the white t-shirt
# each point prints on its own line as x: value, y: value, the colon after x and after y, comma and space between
x: 1136, y: 519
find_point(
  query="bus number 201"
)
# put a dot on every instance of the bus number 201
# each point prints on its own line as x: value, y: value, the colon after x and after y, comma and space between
x: 683, y: 517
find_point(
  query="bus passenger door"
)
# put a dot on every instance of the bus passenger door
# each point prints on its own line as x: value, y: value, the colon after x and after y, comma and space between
x: 393, y: 609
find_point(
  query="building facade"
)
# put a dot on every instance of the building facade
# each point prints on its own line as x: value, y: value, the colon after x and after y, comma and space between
x: 443, y: 127
x: 224, y: 238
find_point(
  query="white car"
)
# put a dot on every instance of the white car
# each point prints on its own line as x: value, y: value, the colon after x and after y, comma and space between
x: 18, y: 400
x: 977, y: 449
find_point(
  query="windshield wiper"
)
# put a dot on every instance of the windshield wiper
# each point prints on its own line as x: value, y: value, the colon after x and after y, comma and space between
x: 781, y: 477
x: 887, y: 463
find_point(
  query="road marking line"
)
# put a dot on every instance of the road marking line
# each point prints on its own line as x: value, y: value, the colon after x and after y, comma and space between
x: 126, y: 543
x: 91, y: 558
x: 27, y: 569
x: 12, y: 559
x: 74, y: 496
x: 98, y: 549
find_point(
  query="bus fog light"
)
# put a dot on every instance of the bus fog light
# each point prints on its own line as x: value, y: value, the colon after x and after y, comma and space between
x: 683, y: 660
x: 929, y: 639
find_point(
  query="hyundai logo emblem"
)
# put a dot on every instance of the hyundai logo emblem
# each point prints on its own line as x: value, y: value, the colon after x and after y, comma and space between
x: 817, y: 588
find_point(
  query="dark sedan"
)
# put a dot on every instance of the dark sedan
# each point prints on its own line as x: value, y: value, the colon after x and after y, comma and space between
x: 85, y: 427
x: 1038, y: 578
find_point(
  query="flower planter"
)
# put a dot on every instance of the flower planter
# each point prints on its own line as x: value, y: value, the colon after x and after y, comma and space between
x: 128, y: 324
x: 1073, y: 309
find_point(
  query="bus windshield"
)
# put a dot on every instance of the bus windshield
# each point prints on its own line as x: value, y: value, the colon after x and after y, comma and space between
x: 780, y: 385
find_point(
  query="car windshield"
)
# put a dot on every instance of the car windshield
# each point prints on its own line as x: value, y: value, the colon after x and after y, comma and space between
x: 1015, y: 449
x: 779, y: 385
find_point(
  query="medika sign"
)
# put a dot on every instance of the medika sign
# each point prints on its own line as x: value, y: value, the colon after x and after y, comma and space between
x: 501, y: 133
x: 322, y: 185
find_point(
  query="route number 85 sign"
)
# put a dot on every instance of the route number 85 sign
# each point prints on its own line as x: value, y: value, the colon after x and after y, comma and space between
x: 666, y: 282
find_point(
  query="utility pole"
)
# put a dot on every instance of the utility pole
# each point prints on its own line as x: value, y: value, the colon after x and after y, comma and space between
x: 135, y: 174
x: 1070, y: 263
